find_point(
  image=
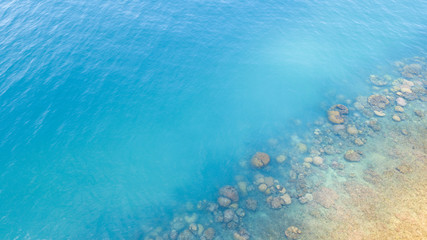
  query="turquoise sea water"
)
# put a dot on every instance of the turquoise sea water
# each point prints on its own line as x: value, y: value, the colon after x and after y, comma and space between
x: 114, y: 113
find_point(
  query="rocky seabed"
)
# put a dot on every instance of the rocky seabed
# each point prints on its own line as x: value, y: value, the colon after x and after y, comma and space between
x: 357, y: 173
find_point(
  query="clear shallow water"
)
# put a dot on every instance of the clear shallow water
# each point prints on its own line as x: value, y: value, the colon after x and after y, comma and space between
x: 114, y: 113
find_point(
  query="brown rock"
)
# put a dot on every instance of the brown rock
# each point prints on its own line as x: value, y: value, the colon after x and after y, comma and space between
x: 228, y: 215
x: 209, y: 234
x: 343, y: 110
x: 358, y: 141
x: 399, y: 109
x: 229, y: 192
x: 336, y: 113
x: 275, y: 202
x: 352, y: 130
x: 262, y: 187
x: 224, y: 202
x: 286, y: 198
x: 335, y: 117
x: 260, y: 160
x: 317, y: 161
x: 396, y: 118
x: 269, y: 181
x: 378, y: 101
x: 241, y: 235
x: 292, y: 232
x: 251, y: 204
x: 353, y: 156
x: 379, y: 113
x: 401, y: 101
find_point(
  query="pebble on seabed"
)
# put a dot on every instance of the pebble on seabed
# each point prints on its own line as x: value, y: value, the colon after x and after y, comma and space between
x: 292, y: 232
x: 396, y: 118
x: 281, y: 158
x: 352, y: 156
x: 399, y: 109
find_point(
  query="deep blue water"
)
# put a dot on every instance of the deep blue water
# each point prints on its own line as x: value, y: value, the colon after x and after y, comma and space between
x: 112, y: 113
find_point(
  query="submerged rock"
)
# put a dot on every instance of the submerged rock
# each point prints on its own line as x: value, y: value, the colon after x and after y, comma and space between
x: 343, y: 110
x: 359, y: 142
x: 377, y: 81
x: 281, y: 158
x: 379, y: 113
x: 396, y: 118
x: 302, y: 148
x: 232, y: 225
x: 262, y: 187
x: 329, y: 149
x: 353, y: 156
x: 178, y: 224
x: 242, y: 234
x: 237, y: 236
x: 200, y: 229
x: 228, y: 215
x: 401, y: 101
x: 208, y: 234
x: 352, y: 130
x: 191, y: 218
x: 286, y: 199
x: 292, y: 232
x: 317, y: 161
x: 251, y: 204
x: 243, y: 187
x: 173, y: 234
x: 399, y: 109
x: 374, y: 125
x: 224, y: 202
x: 240, y: 212
x: 306, y: 198
x: 335, y: 117
x: 337, y: 113
x: 260, y: 160
x: 275, y: 202
x: 193, y: 228
x: 186, y: 235
x: 229, y: 192
x: 409, y: 96
x: 212, y: 207
x: 218, y: 216
x: 378, y: 101
x: 411, y: 70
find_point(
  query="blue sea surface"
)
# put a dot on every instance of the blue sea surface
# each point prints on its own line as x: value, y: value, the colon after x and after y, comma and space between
x: 114, y: 113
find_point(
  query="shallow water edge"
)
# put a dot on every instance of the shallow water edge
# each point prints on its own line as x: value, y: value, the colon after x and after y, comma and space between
x: 357, y: 173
